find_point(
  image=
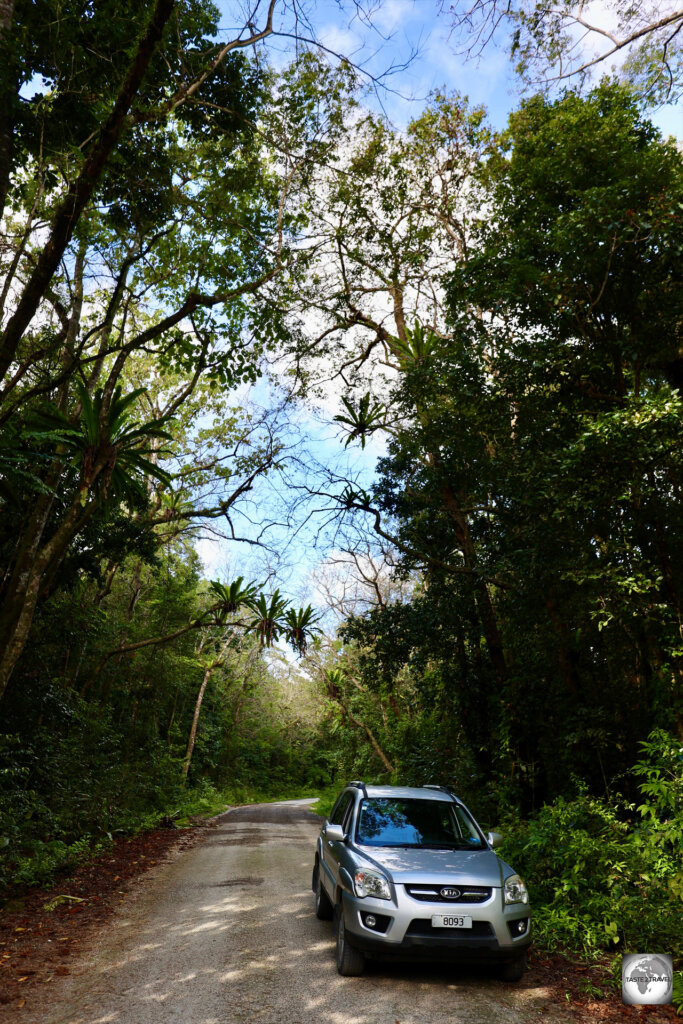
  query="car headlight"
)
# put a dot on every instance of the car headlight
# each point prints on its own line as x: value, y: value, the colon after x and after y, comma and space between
x: 514, y: 890
x: 371, y: 883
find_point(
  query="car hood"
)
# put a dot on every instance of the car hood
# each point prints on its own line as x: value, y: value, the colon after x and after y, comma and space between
x: 478, y: 867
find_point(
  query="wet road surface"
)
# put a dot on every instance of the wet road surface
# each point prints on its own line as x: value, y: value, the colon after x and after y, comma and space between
x: 226, y: 932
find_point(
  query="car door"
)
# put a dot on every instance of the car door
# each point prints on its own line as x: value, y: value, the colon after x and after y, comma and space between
x: 341, y: 814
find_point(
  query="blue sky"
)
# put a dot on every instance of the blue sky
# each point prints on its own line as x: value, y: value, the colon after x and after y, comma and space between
x: 415, y: 34
x: 407, y: 35
x: 414, y: 37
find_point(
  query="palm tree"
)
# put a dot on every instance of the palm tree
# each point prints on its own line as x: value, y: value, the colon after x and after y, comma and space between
x: 230, y: 598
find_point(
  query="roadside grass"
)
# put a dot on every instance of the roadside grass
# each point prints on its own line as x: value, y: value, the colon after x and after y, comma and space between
x: 326, y: 799
x: 43, y: 861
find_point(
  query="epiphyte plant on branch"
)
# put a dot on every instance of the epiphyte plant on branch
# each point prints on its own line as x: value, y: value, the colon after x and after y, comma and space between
x: 268, y: 621
x: 232, y: 597
x: 110, y: 448
x: 97, y: 456
x: 353, y: 498
x: 274, y: 618
x: 362, y: 421
x: 300, y: 626
x: 418, y: 346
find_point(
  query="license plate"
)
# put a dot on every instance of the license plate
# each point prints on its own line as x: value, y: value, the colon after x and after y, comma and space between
x: 451, y: 921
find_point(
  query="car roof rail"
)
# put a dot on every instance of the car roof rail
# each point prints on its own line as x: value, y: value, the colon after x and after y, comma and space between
x: 359, y: 784
x: 443, y: 789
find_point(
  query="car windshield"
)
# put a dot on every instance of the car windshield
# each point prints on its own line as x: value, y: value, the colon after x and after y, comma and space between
x: 435, y: 824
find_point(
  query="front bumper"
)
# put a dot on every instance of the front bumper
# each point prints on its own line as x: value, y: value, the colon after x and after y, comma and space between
x: 409, y: 932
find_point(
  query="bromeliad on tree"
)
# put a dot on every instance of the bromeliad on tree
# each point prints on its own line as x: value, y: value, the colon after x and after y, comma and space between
x: 300, y: 627
x: 99, y: 455
x: 363, y: 421
x: 232, y: 597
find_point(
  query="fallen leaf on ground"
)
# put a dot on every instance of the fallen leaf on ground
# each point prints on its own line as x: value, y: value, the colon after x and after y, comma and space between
x: 58, y: 900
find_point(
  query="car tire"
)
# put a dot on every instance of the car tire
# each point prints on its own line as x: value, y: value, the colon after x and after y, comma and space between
x: 350, y: 961
x: 323, y: 904
x: 513, y: 970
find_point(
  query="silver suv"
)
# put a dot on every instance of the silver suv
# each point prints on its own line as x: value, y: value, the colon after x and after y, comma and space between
x: 407, y: 872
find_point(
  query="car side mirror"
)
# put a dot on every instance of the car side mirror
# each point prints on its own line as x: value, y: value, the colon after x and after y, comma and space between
x: 495, y: 839
x: 334, y: 834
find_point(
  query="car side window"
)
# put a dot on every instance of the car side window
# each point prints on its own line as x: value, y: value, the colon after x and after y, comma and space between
x: 338, y: 812
x: 335, y: 808
x: 346, y: 821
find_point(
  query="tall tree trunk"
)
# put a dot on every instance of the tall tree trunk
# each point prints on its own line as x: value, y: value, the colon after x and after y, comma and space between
x: 485, y: 609
x: 195, y: 720
x: 567, y: 666
x: 24, y: 587
x: 198, y: 704
x: 8, y: 90
x: 368, y: 732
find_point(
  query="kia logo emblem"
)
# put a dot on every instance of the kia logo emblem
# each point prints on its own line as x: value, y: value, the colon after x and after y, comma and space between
x: 449, y: 893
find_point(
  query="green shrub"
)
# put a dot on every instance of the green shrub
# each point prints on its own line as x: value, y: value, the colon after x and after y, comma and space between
x: 43, y: 860
x: 607, y: 875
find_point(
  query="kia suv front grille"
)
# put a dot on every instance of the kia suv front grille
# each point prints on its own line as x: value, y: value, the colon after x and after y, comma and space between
x: 449, y: 893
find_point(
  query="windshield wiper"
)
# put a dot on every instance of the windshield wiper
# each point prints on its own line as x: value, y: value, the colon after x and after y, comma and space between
x: 448, y: 846
x: 390, y: 846
x: 423, y: 846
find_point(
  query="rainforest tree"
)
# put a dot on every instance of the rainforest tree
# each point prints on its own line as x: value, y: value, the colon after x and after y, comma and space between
x: 533, y: 468
x: 149, y: 242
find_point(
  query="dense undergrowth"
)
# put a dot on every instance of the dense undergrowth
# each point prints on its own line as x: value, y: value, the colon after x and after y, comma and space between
x: 80, y: 768
x: 604, y: 873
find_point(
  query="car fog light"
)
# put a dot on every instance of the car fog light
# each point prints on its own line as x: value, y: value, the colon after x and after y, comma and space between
x: 518, y: 928
x: 375, y: 922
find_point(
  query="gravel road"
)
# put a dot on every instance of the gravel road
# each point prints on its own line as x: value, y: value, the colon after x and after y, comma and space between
x: 225, y: 932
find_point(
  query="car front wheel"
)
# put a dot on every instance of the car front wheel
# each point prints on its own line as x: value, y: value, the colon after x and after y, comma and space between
x: 350, y: 961
x: 513, y: 970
